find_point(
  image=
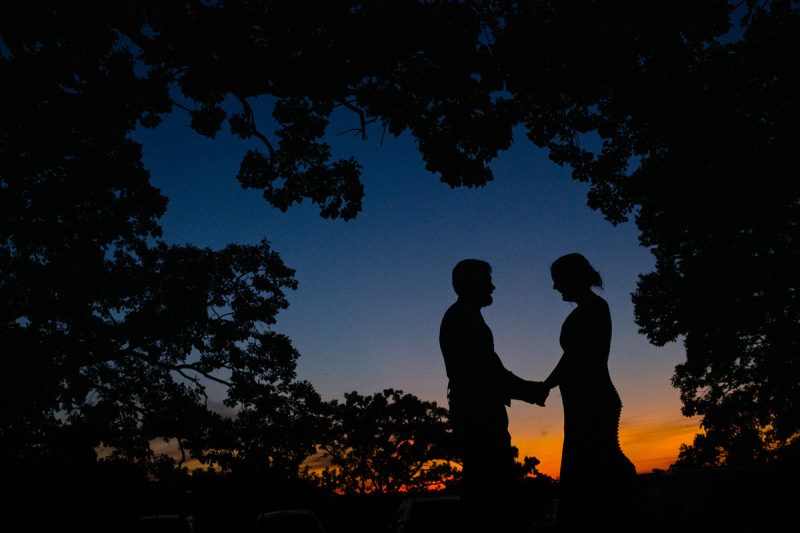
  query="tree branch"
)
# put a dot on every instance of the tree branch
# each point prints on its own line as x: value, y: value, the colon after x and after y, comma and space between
x: 178, y: 368
x: 248, y: 111
x: 181, y: 106
x: 361, y: 117
x: 110, y: 392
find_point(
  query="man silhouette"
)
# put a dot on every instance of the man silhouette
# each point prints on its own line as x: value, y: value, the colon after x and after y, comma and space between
x: 479, y: 390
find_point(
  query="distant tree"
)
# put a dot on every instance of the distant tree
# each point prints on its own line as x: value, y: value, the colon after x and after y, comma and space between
x: 387, y: 442
x: 271, y: 433
x: 528, y: 467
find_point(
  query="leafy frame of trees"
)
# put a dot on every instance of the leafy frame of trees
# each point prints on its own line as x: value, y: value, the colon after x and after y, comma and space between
x: 107, y: 331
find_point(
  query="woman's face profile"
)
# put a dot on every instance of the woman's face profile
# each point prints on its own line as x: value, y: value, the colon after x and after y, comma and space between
x: 566, y: 285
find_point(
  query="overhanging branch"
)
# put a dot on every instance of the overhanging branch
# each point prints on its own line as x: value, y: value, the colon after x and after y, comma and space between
x: 251, y: 119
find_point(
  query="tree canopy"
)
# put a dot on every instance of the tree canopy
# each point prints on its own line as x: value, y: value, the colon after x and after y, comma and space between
x: 682, y: 114
x: 387, y: 442
x: 110, y: 335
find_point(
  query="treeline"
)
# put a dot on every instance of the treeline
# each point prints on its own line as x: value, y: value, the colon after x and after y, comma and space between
x: 377, y: 449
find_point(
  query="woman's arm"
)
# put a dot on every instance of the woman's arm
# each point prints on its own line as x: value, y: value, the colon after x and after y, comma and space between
x: 554, y: 379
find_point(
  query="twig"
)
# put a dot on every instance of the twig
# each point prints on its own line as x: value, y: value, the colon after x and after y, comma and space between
x: 248, y: 111
x: 361, y: 117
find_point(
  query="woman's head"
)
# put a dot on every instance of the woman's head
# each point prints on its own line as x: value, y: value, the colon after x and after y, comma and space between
x: 573, y: 275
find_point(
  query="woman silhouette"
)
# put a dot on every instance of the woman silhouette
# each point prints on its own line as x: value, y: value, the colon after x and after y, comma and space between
x: 596, y: 477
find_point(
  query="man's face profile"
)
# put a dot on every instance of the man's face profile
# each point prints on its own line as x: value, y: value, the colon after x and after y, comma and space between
x: 484, y: 289
x: 472, y: 281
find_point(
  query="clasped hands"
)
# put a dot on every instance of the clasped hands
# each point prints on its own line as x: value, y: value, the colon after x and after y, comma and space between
x: 535, y: 392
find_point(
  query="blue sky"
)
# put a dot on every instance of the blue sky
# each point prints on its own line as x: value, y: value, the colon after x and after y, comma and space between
x: 372, y: 290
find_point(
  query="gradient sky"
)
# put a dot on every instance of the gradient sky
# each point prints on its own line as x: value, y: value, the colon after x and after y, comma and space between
x: 372, y: 291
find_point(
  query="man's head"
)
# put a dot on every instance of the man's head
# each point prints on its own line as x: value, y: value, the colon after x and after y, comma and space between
x: 472, y: 281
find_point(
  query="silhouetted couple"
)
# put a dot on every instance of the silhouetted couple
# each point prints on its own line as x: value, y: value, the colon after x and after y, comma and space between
x: 596, y: 477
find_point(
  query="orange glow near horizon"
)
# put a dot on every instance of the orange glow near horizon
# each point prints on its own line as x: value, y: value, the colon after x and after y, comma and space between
x: 649, y: 446
x: 649, y: 443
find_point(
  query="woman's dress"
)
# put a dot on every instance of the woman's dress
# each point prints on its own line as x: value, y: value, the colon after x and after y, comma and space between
x: 595, y: 474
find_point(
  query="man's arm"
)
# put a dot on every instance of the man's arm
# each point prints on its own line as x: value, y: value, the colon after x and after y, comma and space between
x: 473, y: 365
x: 516, y: 388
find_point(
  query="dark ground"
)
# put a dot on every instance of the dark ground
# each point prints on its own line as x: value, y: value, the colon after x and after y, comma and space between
x: 110, y: 498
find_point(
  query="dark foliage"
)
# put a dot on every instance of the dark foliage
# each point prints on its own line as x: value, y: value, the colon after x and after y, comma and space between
x: 110, y: 336
x: 387, y: 442
x: 693, y: 107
